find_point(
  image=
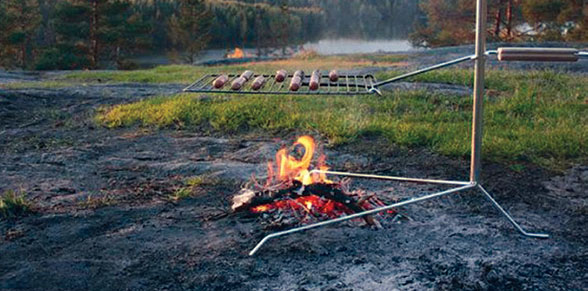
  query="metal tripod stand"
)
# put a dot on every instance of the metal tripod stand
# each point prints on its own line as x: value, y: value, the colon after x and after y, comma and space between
x: 479, y: 58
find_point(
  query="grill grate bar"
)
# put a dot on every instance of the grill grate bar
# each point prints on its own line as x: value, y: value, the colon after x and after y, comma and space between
x: 348, y: 84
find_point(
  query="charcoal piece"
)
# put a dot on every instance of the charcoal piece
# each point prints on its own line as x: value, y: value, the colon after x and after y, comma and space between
x: 326, y: 191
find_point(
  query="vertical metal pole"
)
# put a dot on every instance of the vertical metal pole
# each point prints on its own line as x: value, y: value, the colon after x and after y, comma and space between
x: 478, y: 90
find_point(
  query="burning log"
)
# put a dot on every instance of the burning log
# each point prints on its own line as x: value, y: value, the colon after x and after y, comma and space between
x: 281, y: 76
x: 315, y: 80
x: 258, y: 83
x: 252, y: 201
x: 333, y: 76
x: 220, y: 81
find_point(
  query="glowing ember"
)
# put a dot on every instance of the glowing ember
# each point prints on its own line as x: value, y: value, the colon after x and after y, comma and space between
x: 238, y: 54
x: 312, y: 204
x: 261, y: 208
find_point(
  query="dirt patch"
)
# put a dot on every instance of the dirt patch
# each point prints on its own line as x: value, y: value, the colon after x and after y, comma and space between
x: 104, y: 219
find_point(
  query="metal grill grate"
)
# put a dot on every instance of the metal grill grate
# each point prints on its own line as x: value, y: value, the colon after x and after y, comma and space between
x: 346, y: 85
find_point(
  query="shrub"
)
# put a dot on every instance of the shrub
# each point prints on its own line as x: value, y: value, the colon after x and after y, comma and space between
x: 13, y: 205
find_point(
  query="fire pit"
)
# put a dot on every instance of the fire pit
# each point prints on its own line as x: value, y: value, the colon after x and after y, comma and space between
x: 294, y: 194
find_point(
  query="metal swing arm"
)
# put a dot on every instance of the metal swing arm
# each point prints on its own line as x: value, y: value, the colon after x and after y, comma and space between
x: 503, y: 54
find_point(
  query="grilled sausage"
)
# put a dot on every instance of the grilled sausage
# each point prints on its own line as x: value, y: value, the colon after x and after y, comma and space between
x: 296, y: 83
x: 315, y: 80
x: 258, y: 83
x: 333, y: 76
x: 299, y: 73
x: 247, y: 75
x: 281, y: 75
x: 220, y: 81
x: 238, y: 83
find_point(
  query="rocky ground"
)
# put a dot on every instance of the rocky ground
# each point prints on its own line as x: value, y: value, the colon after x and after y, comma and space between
x: 104, y: 219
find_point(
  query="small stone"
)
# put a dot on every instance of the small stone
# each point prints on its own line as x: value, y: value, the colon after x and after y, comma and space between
x: 330, y: 275
x: 359, y: 260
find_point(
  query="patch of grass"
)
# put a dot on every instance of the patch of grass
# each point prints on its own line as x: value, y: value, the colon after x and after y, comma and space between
x: 540, y: 117
x: 14, y: 205
x: 187, y: 74
x: 500, y: 80
x: 517, y: 167
x: 192, y: 183
x: 201, y: 180
x: 92, y: 202
x: 181, y: 193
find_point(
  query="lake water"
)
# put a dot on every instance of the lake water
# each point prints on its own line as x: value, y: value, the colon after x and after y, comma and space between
x: 356, y: 46
x: 323, y: 47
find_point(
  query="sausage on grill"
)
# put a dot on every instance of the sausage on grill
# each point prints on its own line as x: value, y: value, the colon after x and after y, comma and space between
x: 333, y: 76
x: 299, y: 73
x: 296, y: 83
x: 258, y: 83
x: 281, y: 75
x: 247, y: 75
x: 238, y: 83
x: 315, y: 80
x: 220, y: 81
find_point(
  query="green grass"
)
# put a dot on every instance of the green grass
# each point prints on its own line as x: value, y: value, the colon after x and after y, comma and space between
x: 180, y: 194
x: 187, y: 74
x: 495, y: 79
x: 92, y: 202
x: 538, y: 117
x: 191, y: 184
x: 13, y: 205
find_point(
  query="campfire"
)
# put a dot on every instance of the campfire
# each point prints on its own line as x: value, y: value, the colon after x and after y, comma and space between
x: 237, y: 54
x: 297, y: 191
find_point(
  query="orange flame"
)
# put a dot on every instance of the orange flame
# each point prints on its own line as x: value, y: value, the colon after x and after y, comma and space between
x: 238, y: 54
x: 289, y: 168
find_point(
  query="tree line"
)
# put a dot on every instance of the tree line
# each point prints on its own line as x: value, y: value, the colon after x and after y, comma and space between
x: 452, y: 22
x: 92, y: 34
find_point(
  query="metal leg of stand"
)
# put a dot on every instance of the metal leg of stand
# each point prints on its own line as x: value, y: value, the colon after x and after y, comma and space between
x: 356, y: 215
x: 510, y: 219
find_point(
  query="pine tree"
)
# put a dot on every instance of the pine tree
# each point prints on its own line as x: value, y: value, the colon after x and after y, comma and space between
x: 452, y: 22
x: 189, y: 28
x: 19, y: 20
x: 91, y: 32
x: 122, y: 32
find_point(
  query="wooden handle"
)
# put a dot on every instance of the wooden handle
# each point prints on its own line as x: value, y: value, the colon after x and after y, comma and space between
x: 537, y: 54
